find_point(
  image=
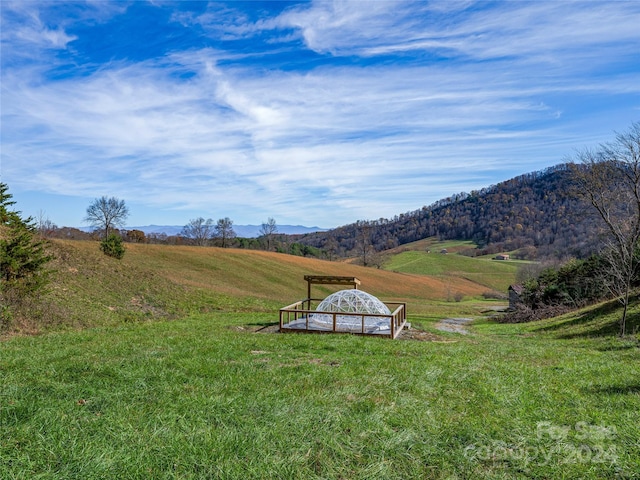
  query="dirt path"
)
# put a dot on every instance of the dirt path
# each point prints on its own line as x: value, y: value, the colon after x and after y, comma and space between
x: 455, y: 325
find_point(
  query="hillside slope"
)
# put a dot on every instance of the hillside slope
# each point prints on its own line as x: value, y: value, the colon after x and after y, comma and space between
x: 495, y: 275
x: 536, y: 213
x: 158, y: 281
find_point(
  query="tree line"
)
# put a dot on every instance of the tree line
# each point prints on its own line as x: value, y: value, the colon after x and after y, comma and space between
x: 586, y: 206
x: 536, y: 215
x: 607, y: 179
x: 108, y: 229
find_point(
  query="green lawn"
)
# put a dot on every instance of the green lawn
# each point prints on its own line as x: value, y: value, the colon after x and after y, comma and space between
x: 150, y: 367
x: 493, y: 274
x: 206, y: 397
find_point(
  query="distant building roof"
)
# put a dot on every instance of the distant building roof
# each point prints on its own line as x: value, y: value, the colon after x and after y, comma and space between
x: 517, y: 288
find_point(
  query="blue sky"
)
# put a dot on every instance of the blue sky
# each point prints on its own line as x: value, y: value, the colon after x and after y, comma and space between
x: 313, y: 113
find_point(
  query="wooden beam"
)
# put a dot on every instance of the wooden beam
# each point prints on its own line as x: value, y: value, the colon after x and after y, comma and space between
x: 329, y: 280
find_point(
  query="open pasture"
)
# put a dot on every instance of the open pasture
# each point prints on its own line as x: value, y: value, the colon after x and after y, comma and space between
x: 170, y: 378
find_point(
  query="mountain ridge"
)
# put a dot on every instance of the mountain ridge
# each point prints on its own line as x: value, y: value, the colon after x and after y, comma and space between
x: 537, y: 215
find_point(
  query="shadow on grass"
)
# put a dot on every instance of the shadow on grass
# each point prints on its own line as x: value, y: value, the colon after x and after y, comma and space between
x: 618, y: 347
x: 262, y: 324
x: 592, y: 323
x: 615, y: 389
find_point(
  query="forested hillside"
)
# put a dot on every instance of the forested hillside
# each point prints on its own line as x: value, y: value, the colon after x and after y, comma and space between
x: 535, y: 214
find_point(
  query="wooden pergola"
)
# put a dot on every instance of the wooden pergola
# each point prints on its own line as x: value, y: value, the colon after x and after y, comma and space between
x: 296, y: 317
x: 329, y: 280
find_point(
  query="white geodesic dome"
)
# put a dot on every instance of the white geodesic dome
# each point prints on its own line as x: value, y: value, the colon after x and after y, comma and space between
x: 353, y: 301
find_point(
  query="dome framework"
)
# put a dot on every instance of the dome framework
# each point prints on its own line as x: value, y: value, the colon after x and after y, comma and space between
x: 345, y: 311
x: 353, y: 302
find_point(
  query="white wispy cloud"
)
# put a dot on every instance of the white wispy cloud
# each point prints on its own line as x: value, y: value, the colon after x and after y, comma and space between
x: 32, y: 31
x: 205, y: 128
x: 515, y: 29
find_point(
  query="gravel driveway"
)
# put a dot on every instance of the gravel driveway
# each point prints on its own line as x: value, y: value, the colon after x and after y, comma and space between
x: 455, y: 325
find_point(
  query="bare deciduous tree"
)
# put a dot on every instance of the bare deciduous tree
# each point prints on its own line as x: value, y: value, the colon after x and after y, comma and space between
x: 267, y: 230
x: 106, y: 214
x: 609, y: 178
x: 331, y: 247
x: 364, y: 240
x: 199, y: 230
x: 224, y: 230
x: 45, y: 226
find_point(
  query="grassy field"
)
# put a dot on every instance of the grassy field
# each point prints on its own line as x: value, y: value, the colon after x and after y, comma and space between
x: 165, y: 282
x: 207, y: 397
x: 492, y: 274
x: 174, y: 381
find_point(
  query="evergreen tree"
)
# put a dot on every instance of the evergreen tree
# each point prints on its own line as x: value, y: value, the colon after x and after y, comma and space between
x: 22, y: 253
x: 113, y: 246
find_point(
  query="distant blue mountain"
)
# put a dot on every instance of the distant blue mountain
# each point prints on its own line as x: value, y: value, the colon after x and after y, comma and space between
x: 245, y: 231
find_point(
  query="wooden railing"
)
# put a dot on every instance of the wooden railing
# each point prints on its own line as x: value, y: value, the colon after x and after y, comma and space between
x: 302, y: 310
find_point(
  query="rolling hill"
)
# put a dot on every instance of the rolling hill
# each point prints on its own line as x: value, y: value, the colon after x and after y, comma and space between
x: 425, y: 258
x: 162, y: 282
x: 176, y: 379
x: 203, y: 394
x: 537, y: 215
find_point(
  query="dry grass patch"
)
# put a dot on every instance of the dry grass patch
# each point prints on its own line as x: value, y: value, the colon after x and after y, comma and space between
x: 156, y: 282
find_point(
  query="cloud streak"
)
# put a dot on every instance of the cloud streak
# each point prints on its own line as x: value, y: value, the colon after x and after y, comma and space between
x: 317, y: 113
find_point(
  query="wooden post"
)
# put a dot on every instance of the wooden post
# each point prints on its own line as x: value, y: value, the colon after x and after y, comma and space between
x: 392, y: 325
